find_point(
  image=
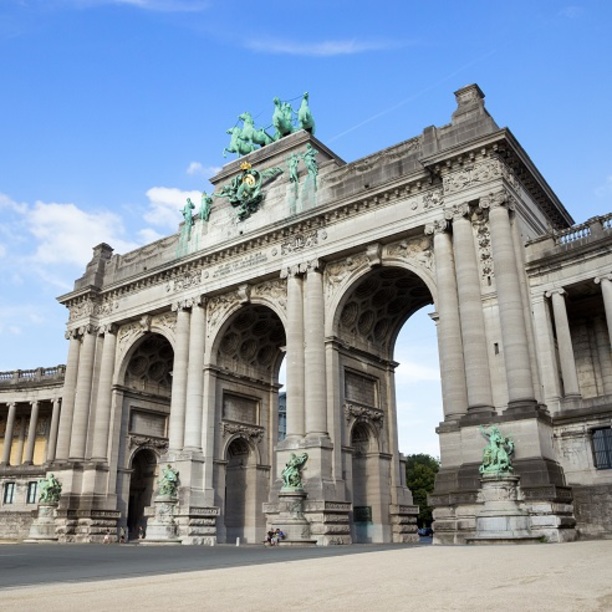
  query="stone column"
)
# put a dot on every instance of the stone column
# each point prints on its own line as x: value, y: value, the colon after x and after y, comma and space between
x: 450, y: 344
x: 314, y: 353
x: 606, y: 291
x: 8, y: 434
x: 546, y: 350
x: 29, y: 455
x: 511, y: 313
x: 179, y: 378
x: 477, y: 374
x: 70, y: 380
x: 564, y: 339
x: 52, y: 441
x: 20, y: 441
x: 82, y: 398
x: 295, y: 354
x: 195, y: 380
x: 105, y: 394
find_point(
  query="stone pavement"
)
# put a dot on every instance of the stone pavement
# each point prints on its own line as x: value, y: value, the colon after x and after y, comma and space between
x: 570, y: 577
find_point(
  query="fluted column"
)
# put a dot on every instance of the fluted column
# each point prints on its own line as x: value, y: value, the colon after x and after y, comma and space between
x: 606, y: 291
x: 477, y: 374
x: 20, y: 441
x: 29, y: 454
x: 564, y: 340
x: 179, y: 379
x: 450, y: 344
x: 105, y: 394
x: 70, y: 380
x: 511, y: 312
x: 82, y: 398
x: 314, y: 352
x: 546, y: 350
x: 195, y: 380
x: 295, y: 354
x: 8, y: 433
x: 52, y: 441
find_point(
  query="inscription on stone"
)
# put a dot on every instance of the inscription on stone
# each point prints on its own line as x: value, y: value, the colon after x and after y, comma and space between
x: 148, y: 423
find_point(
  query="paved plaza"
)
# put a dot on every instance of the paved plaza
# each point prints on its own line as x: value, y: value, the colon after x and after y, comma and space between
x: 573, y: 576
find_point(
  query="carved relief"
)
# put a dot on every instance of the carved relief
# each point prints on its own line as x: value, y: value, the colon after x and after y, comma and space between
x: 273, y: 291
x: 161, y: 444
x: 219, y: 305
x: 483, y: 237
x: 249, y: 432
x: 337, y: 271
x: 432, y: 199
x: 299, y: 242
x: 470, y: 176
x: 418, y: 249
x: 183, y: 281
x: 374, y: 416
x: 84, y: 308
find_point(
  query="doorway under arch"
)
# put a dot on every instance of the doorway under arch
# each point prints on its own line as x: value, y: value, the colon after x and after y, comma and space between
x: 142, y: 484
x: 240, y: 489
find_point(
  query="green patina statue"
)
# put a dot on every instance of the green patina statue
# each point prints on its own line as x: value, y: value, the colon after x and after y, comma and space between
x: 496, y: 455
x: 246, y: 139
x: 168, y: 483
x: 292, y: 474
x: 187, y: 213
x: 50, y: 490
x: 205, y: 207
x: 244, y: 190
x: 309, y: 157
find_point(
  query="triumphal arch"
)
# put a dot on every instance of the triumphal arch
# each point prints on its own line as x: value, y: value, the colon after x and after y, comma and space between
x: 298, y: 257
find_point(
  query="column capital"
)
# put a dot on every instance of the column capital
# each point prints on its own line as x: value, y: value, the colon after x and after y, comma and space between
x: 186, y: 304
x: 439, y: 226
x: 552, y: 292
x: 315, y: 265
x: 497, y: 199
x: 244, y: 293
x: 457, y: 211
x: 374, y: 254
x: 295, y: 270
x: 108, y: 328
x: 602, y: 277
x: 73, y: 334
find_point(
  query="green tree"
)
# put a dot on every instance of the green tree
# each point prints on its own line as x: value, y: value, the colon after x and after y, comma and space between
x: 421, y: 470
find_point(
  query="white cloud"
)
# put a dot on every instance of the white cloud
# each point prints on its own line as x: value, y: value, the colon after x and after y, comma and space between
x: 571, y: 12
x: 196, y: 168
x: 165, y: 205
x: 66, y: 234
x: 320, y: 49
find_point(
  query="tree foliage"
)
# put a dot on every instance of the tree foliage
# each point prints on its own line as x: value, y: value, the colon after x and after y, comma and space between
x: 421, y: 470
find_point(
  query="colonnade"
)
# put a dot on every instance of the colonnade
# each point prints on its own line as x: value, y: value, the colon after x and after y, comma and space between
x: 23, y: 417
x: 463, y: 343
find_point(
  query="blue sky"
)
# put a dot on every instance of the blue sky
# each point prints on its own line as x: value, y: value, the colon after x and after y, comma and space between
x: 113, y: 111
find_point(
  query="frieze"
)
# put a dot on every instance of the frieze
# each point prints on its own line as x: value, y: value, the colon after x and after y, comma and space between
x: 246, y: 431
x: 248, y: 261
x: 82, y: 309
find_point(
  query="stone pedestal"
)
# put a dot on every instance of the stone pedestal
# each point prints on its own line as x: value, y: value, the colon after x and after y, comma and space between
x: 162, y: 528
x: 291, y: 520
x: 43, y: 526
x: 502, y: 520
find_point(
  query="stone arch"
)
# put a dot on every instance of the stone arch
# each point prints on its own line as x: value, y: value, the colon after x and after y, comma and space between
x: 377, y: 303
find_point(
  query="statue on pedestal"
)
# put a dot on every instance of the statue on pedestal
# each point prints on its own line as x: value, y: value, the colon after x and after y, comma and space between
x: 50, y: 490
x: 496, y: 455
x: 292, y: 474
x: 168, y: 483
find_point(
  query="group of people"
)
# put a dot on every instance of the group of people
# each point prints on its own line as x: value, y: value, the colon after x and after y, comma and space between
x: 274, y: 536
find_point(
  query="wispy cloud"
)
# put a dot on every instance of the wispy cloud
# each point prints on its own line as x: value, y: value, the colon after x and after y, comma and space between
x: 571, y: 12
x: 161, y: 6
x: 321, y: 49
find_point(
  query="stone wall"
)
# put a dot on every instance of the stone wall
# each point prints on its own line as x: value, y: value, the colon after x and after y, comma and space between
x: 593, y: 510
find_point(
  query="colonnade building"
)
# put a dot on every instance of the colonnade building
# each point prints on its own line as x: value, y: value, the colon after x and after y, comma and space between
x: 174, y: 350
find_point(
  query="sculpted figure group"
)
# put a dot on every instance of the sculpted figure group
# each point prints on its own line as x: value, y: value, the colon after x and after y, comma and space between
x: 285, y: 120
x: 496, y: 455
